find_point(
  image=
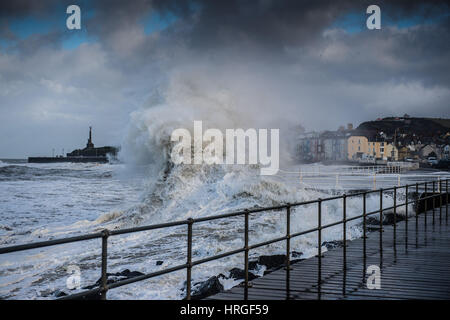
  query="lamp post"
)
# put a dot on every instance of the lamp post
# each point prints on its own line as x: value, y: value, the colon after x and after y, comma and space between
x: 394, y: 146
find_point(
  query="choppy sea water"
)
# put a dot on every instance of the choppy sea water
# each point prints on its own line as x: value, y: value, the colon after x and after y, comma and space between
x: 48, y: 201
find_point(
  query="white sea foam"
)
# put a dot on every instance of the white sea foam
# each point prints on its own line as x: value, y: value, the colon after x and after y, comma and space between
x: 176, y: 194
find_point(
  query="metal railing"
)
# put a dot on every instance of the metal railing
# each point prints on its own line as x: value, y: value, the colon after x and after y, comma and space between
x: 361, y: 176
x: 105, y: 234
x: 306, y: 171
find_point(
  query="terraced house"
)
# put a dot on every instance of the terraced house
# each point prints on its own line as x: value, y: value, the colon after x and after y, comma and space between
x: 372, y: 147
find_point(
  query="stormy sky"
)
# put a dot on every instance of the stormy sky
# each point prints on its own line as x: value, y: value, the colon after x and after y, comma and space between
x: 313, y: 61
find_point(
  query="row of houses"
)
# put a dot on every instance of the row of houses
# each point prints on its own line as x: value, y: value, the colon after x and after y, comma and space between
x: 347, y: 144
x: 321, y: 146
x: 369, y: 148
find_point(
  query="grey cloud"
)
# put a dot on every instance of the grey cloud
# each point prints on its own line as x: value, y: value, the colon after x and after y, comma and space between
x: 283, y: 55
x: 20, y: 8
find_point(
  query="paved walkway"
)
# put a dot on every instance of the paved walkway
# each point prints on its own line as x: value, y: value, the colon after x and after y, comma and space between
x: 416, y: 267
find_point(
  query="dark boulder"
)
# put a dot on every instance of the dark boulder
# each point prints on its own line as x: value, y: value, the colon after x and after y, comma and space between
x: 333, y: 244
x: 59, y: 294
x: 372, y: 221
x: 272, y: 262
x: 207, y: 288
x: 296, y: 257
x: 127, y: 274
x: 239, y: 274
x: 159, y: 262
x: 388, y: 218
x: 115, y: 277
x: 111, y: 278
x: 252, y: 265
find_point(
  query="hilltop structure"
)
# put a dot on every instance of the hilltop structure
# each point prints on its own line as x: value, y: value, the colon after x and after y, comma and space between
x: 91, y: 151
x: 88, y: 154
x: 403, y: 138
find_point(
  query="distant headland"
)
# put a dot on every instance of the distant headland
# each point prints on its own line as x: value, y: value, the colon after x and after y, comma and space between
x: 87, y: 154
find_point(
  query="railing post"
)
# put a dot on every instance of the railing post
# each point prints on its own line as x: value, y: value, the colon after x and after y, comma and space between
x: 426, y: 205
x: 395, y: 218
x: 288, y: 247
x: 406, y: 216
x: 288, y: 235
x: 344, y: 230
x: 434, y: 199
x: 374, y: 180
x: 364, y: 224
x: 246, y: 255
x: 104, y: 278
x: 381, y: 227
x: 417, y: 204
x: 440, y: 201
x: 319, y: 243
x: 446, y: 200
x: 364, y: 238
x: 344, y: 240
x: 190, y: 222
x: 417, y: 214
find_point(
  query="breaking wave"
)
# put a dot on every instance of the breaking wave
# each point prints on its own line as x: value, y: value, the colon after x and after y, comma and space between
x: 179, y: 191
x: 175, y: 192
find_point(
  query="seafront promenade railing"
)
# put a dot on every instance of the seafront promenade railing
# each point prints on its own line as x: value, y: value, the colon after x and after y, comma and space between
x: 358, y: 176
x: 433, y: 192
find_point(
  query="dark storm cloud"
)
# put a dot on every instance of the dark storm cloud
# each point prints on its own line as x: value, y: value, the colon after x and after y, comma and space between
x: 204, y: 24
x: 264, y: 30
x: 20, y: 8
x: 275, y: 24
